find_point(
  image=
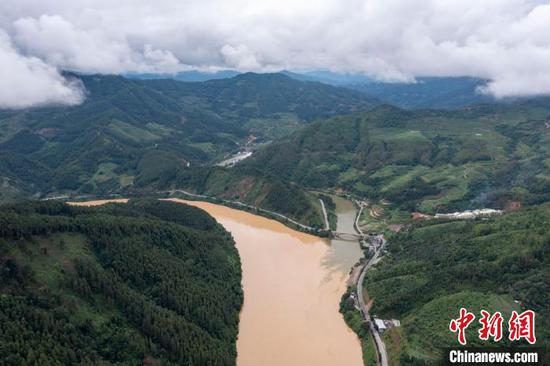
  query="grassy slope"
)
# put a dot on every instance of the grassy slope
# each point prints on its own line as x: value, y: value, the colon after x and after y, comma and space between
x: 146, y: 252
x: 437, y: 267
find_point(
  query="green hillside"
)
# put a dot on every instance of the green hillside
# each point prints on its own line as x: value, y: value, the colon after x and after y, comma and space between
x: 146, y: 282
x: 268, y: 105
x: 423, y: 160
x: 104, y: 144
x: 142, y: 135
x: 436, y: 267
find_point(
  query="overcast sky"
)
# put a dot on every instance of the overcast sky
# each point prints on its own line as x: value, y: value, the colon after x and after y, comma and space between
x: 506, y: 41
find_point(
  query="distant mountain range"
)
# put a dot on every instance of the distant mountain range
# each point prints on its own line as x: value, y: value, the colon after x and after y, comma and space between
x: 425, y: 92
x: 190, y: 76
x: 432, y: 92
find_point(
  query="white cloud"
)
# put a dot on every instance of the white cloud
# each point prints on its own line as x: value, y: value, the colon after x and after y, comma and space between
x: 28, y: 81
x: 58, y: 42
x: 239, y: 57
x: 506, y: 41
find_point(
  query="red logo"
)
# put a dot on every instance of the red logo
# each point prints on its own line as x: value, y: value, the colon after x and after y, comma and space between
x: 520, y: 326
x: 491, y: 326
x: 459, y: 325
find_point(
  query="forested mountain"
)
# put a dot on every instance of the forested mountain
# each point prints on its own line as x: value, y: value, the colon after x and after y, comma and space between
x: 437, y: 267
x: 424, y: 92
x: 251, y: 186
x: 423, y: 160
x: 107, y: 142
x: 428, y: 92
x: 192, y: 76
x: 141, y: 134
x: 267, y: 104
x: 147, y: 282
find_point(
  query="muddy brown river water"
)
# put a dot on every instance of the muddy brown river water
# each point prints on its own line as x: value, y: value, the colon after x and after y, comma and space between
x: 292, y: 285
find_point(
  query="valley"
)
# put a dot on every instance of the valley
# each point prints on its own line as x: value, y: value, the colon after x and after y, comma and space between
x: 292, y: 283
x: 461, y: 196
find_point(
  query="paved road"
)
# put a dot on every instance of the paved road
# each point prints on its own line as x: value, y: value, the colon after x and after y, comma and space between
x: 380, y: 346
x: 201, y: 196
x: 325, y: 215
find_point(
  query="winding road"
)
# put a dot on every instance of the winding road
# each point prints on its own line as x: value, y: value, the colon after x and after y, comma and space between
x: 380, y: 346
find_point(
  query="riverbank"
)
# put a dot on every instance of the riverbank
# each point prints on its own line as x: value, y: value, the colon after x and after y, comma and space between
x: 352, y: 304
x: 292, y: 283
x: 179, y: 193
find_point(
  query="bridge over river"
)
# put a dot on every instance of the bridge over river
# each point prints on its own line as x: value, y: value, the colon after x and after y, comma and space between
x: 346, y: 236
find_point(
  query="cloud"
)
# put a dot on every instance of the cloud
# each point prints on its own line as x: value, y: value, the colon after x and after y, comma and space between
x: 239, y: 57
x: 505, y: 41
x: 28, y: 81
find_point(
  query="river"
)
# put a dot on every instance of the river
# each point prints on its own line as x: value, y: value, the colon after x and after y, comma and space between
x: 292, y: 285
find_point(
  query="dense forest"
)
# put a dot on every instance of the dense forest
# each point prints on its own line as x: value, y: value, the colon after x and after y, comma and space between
x: 436, y: 267
x: 148, y: 282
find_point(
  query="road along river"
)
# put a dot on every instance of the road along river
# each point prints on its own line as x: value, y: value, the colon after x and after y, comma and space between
x: 292, y: 285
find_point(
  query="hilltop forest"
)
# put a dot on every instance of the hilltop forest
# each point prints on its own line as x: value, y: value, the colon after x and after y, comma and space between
x: 148, y: 282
